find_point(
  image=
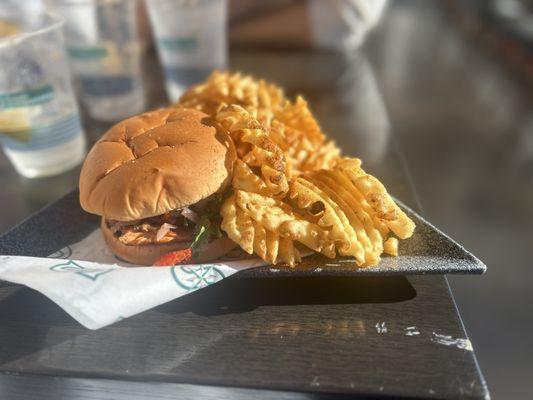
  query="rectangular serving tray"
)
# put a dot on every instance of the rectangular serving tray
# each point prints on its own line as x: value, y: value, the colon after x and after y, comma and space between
x: 428, y: 251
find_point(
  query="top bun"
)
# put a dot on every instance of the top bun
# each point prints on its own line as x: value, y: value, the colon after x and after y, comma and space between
x: 156, y: 162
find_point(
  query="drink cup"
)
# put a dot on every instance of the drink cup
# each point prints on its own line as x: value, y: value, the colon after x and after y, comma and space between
x: 40, y: 128
x: 191, y: 37
x: 105, y: 55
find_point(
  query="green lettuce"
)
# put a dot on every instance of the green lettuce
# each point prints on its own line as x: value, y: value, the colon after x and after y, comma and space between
x: 208, y: 226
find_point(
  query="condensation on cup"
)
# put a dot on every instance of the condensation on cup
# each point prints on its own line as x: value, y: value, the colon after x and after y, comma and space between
x: 191, y: 37
x: 105, y: 55
x: 40, y: 128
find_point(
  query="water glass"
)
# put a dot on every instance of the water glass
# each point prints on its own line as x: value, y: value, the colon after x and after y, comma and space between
x: 191, y: 37
x: 105, y: 55
x: 40, y: 128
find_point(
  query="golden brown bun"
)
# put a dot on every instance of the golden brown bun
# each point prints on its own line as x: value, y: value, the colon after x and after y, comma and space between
x: 156, y: 162
x: 146, y: 254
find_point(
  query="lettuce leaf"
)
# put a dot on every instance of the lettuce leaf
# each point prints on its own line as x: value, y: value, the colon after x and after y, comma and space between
x: 208, y: 226
x: 207, y: 230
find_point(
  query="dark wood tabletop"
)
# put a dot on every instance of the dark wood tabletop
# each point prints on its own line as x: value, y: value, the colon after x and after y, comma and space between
x: 253, y: 338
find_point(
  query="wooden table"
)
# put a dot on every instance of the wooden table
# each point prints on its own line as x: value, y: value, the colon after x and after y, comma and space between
x: 283, y: 338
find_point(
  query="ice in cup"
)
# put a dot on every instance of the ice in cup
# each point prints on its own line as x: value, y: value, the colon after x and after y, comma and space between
x: 191, y: 37
x: 40, y: 128
x: 105, y: 55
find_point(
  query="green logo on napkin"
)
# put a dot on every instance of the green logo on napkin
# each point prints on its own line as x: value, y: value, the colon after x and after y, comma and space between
x: 89, y: 273
x: 196, y: 277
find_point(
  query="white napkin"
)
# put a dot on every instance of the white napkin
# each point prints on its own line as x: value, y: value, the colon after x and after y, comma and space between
x: 97, y: 289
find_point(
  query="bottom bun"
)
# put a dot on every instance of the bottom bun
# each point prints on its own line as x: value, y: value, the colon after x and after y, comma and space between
x: 146, y: 254
x: 214, y: 250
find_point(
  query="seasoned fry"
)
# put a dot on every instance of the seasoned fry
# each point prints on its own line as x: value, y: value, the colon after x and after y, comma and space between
x: 245, y: 179
x: 298, y: 118
x: 260, y: 242
x: 237, y: 225
x: 290, y: 125
x: 278, y: 217
x: 259, y: 224
x: 359, y: 201
x: 222, y: 88
x: 288, y: 252
x: 391, y: 246
x: 272, y: 245
x: 263, y: 153
x: 306, y: 196
x: 376, y: 195
x: 366, y: 234
x: 290, y: 186
x: 326, y: 210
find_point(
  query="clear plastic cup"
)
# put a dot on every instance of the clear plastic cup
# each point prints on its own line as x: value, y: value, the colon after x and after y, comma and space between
x: 105, y: 55
x: 191, y: 37
x: 40, y: 127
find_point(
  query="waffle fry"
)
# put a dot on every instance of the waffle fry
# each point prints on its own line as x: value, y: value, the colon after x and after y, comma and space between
x: 277, y: 216
x: 260, y: 242
x: 245, y: 179
x: 366, y: 234
x: 391, y: 246
x: 272, y: 245
x: 291, y: 187
x: 354, y: 199
x: 298, y: 118
x: 274, y: 225
x: 263, y: 152
x: 257, y: 97
x: 377, y: 197
x: 290, y: 125
x: 237, y: 225
x: 305, y: 196
x: 288, y: 252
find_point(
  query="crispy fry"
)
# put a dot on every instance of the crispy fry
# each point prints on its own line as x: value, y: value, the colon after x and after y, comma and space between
x: 290, y: 125
x: 260, y: 243
x: 278, y: 217
x: 245, y: 179
x: 245, y: 226
x: 366, y: 234
x: 376, y: 195
x: 237, y: 224
x: 290, y: 185
x: 305, y: 195
x: 306, y: 144
x: 222, y: 88
x: 288, y: 253
x: 359, y: 200
x: 298, y: 117
x: 243, y: 128
x: 391, y: 246
x: 259, y: 223
x: 272, y: 245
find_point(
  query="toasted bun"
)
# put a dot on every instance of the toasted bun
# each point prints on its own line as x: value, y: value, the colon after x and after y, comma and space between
x: 156, y: 162
x: 146, y: 254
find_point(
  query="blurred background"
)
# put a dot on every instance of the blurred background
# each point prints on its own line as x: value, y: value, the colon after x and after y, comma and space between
x: 447, y: 84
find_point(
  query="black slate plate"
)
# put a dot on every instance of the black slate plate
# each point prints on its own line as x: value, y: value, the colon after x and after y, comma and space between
x: 429, y: 251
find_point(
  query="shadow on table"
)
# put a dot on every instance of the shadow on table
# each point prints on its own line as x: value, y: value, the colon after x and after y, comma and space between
x: 238, y: 295
x: 26, y: 320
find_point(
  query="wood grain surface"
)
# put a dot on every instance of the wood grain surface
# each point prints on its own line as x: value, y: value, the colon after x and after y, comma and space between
x: 335, y: 335
x: 258, y: 338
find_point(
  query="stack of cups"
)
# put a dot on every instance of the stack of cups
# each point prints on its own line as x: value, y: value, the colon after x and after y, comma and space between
x: 40, y: 127
x: 191, y: 37
x: 105, y: 55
